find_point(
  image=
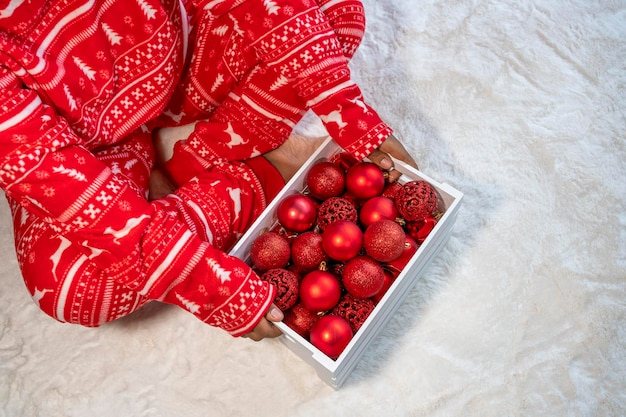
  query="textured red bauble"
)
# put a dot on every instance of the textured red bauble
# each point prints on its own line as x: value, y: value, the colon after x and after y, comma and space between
x: 286, y: 283
x: 397, y: 265
x: 354, y: 310
x: 320, y: 291
x: 420, y: 229
x: 300, y: 319
x: 377, y: 208
x: 269, y: 251
x: 307, y: 252
x: 363, y: 277
x: 384, y: 240
x: 365, y: 180
x: 391, y: 190
x: 331, y: 334
x: 325, y: 180
x: 297, y: 212
x: 416, y: 200
x: 342, y: 240
x: 389, y: 279
x: 333, y: 209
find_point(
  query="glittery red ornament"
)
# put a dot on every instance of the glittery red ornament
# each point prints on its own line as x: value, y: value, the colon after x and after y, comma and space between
x: 416, y: 200
x: 397, y: 265
x: 269, y: 251
x: 377, y: 208
x: 297, y: 212
x: 354, y: 310
x: 333, y: 209
x: 286, y: 283
x: 342, y: 240
x: 320, y: 291
x: 363, y: 277
x: 389, y: 279
x: 331, y: 334
x: 365, y: 180
x: 384, y: 240
x: 307, y: 252
x: 391, y: 189
x: 420, y: 229
x: 325, y: 180
x: 300, y: 319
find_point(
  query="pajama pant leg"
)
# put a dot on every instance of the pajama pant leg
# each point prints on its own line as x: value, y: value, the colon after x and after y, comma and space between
x: 67, y: 285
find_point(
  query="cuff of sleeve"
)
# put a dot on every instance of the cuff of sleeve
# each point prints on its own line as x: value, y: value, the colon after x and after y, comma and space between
x: 183, y: 166
x: 269, y: 177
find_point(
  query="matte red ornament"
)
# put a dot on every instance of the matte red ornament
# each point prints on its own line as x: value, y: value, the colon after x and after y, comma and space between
x: 384, y: 240
x: 325, y: 179
x: 333, y: 209
x: 397, y: 265
x: 331, y: 334
x: 377, y: 208
x: 300, y: 319
x: 342, y: 240
x: 389, y: 279
x: 270, y: 250
x: 297, y: 212
x: 320, y: 291
x: 416, y: 200
x: 420, y: 229
x: 286, y: 283
x: 363, y: 277
x: 307, y: 252
x: 365, y: 180
x: 354, y: 310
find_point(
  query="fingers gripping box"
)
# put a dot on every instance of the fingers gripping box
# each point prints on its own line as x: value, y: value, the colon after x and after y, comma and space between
x: 335, y: 371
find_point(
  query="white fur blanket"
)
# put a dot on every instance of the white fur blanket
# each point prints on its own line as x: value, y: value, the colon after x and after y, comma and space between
x: 521, y: 105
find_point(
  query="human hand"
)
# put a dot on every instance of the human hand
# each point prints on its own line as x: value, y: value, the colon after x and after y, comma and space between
x: 266, y: 328
x: 391, y: 147
x: 166, y: 137
x: 292, y: 154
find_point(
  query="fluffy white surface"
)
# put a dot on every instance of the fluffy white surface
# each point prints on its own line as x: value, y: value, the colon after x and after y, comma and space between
x: 521, y: 105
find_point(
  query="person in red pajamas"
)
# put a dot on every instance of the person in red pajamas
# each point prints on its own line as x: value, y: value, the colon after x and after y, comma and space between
x: 94, y: 94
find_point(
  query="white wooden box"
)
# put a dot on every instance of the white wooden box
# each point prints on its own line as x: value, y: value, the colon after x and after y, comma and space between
x: 335, y: 372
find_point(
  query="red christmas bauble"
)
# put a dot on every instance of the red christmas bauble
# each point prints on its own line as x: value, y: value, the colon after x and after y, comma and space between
x: 377, y: 208
x: 319, y: 291
x: 269, y: 251
x: 333, y: 209
x: 342, y: 240
x: 416, y: 200
x: 331, y: 334
x: 365, y: 180
x: 297, y: 212
x: 391, y: 189
x: 286, y: 283
x: 344, y: 160
x: 397, y: 265
x: 300, y: 319
x: 354, y: 310
x: 384, y: 240
x: 420, y: 229
x: 389, y: 279
x: 363, y: 277
x: 307, y: 252
x: 325, y: 179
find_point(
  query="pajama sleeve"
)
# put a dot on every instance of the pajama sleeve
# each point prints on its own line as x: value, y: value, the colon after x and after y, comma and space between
x: 303, y: 49
x: 152, y: 248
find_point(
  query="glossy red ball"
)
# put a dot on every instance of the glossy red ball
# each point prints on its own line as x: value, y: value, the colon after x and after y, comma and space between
x: 331, y: 334
x: 389, y: 279
x: 397, y: 265
x: 297, y: 212
x: 320, y: 291
x: 342, y: 240
x: 365, y: 180
x: 377, y: 208
x: 420, y: 229
x: 325, y: 180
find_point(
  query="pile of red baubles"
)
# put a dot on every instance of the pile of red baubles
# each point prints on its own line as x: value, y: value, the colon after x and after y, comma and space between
x: 339, y: 245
